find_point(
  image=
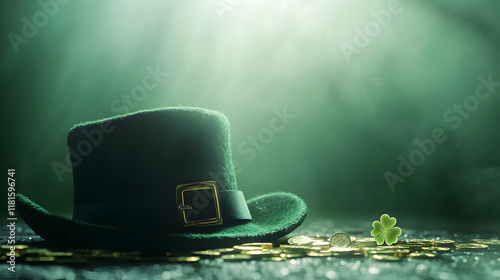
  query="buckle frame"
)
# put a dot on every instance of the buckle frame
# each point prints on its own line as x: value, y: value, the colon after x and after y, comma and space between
x: 182, y: 207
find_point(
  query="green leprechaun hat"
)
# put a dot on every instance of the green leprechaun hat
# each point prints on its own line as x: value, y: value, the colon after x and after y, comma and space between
x: 160, y: 180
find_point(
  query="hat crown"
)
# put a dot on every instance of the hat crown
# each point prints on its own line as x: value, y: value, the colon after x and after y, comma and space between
x: 145, y: 155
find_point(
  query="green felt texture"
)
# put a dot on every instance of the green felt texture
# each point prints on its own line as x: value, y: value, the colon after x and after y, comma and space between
x: 274, y: 215
x: 145, y: 155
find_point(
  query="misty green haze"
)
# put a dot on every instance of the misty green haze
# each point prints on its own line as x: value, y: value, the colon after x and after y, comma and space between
x: 324, y: 97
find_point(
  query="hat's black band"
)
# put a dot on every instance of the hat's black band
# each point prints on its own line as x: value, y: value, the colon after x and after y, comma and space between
x: 156, y: 213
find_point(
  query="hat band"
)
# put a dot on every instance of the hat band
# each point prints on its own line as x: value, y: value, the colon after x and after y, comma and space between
x: 233, y: 207
x: 155, y: 213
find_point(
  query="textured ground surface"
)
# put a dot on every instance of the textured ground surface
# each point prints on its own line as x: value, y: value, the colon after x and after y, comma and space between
x: 457, y: 265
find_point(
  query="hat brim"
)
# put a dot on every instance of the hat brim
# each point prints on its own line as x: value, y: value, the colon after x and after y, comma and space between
x: 273, y: 216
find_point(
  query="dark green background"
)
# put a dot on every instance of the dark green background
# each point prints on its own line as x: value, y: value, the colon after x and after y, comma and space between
x: 353, y: 119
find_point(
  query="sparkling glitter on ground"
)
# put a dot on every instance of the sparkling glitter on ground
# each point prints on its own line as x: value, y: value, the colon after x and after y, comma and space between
x: 458, y: 265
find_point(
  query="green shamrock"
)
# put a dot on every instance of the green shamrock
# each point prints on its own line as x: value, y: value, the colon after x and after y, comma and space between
x: 385, y: 230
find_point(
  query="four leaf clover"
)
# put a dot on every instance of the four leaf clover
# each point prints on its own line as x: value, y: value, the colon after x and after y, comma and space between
x: 385, y: 230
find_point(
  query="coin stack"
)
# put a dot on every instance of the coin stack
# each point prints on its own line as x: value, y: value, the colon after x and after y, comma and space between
x: 338, y: 245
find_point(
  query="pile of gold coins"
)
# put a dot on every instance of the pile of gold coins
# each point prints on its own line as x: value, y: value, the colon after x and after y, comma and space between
x: 339, y: 245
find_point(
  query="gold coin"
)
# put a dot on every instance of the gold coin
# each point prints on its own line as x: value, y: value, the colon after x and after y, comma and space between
x: 299, y: 240
x: 342, y: 250
x: 223, y: 251
x: 183, y: 259
x: 256, y: 252
x: 436, y: 249
x: 444, y: 243
x: 317, y: 249
x: 320, y: 244
x: 366, y: 242
x: 381, y: 249
x: 386, y: 258
x: 471, y: 247
x: 417, y: 246
x: 491, y: 242
x: 426, y: 242
x: 319, y: 254
x: 422, y: 255
x: 264, y: 252
x: 403, y: 252
x: 340, y: 239
x: 236, y: 258
x: 261, y: 245
x: 267, y: 245
x: 246, y: 248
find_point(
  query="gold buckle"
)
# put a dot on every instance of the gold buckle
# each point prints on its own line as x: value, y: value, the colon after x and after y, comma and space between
x: 198, y: 199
